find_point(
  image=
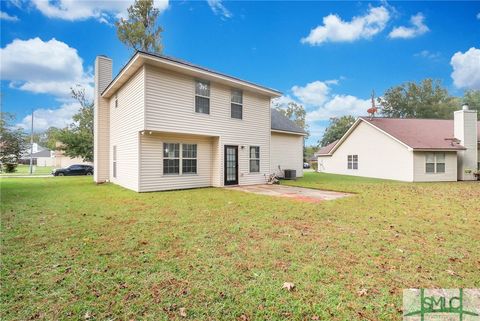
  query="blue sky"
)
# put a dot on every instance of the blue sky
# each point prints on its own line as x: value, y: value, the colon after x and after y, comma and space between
x: 327, y: 56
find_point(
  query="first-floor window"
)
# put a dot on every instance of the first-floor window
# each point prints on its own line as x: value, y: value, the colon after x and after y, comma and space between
x: 171, y: 158
x: 189, y: 158
x: 352, y: 162
x: 114, y: 157
x: 179, y: 158
x: 254, y: 159
x: 435, y: 163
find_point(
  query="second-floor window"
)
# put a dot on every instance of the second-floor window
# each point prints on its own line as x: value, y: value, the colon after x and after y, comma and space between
x: 202, y: 97
x: 237, y: 104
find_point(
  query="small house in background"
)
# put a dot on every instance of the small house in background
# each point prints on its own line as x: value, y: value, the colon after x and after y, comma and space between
x: 44, y: 157
x: 62, y: 161
x: 413, y: 150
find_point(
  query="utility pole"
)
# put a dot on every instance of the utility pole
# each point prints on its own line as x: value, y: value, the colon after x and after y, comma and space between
x: 31, y: 147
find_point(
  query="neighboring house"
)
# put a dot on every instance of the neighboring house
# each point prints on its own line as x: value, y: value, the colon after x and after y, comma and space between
x: 62, y: 161
x: 40, y: 157
x: 165, y: 124
x: 44, y: 157
x: 413, y: 150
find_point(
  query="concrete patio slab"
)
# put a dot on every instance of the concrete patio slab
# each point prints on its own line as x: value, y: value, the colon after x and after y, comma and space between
x: 297, y: 193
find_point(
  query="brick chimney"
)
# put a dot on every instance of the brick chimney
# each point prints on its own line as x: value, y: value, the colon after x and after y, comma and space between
x: 101, y: 125
x: 465, y: 130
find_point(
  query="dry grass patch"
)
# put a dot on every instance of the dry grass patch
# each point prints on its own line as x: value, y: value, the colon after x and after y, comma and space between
x: 74, y: 250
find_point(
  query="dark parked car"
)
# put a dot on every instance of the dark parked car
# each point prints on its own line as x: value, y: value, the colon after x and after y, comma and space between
x: 306, y: 165
x: 73, y: 170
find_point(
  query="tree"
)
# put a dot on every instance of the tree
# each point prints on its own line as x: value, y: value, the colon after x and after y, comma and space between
x: 428, y: 99
x: 77, y: 139
x: 12, y: 143
x: 50, y: 137
x: 296, y: 113
x: 472, y: 98
x: 337, y: 127
x: 140, y: 31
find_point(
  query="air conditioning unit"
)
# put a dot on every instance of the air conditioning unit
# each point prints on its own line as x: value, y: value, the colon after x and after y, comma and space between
x: 290, y: 174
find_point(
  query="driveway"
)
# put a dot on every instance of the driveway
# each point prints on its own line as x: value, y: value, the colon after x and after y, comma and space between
x: 297, y: 193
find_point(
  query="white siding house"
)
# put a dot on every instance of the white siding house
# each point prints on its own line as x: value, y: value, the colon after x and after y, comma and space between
x: 413, y: 150
x: 173, y: 125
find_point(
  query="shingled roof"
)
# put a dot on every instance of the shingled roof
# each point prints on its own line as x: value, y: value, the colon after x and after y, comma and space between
x: 282, y: 123
x: 418, y: 134
x: 326, y: 149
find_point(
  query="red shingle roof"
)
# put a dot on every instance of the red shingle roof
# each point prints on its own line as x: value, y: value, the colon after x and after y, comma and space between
x: 326, y: 149
x: 419, y: 133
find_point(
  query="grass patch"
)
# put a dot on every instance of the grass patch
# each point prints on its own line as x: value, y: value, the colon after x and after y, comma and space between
x: 75, y: 250
x: 23, y: 170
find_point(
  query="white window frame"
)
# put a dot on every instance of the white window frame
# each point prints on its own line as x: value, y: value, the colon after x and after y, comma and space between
x: 436, y: 162
x: 352, y: 162
x: 171, y: 158
x: 189, y: 158
x: 197, y: 81
x: 253, y: 159
x: 180, y: 159
x: 238, y: 104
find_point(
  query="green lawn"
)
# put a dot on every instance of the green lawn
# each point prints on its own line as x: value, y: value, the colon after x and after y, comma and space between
x: 74, y: 250
x: 22, y: 170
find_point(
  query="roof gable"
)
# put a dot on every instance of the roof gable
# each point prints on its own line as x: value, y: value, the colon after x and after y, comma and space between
x: 416, y: 134
x: 141, y: 58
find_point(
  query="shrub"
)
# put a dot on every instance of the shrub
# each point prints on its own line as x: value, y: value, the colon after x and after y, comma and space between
x: 9, y: 168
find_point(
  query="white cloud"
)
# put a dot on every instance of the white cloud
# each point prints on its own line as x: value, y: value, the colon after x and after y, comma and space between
x: 50, y: 67
x: 321, y: 104
x: 418, y: 28
x: 466, y: 69
x: 340, y: 105
x: 478, y: 16
x: 46, y: 117
x: 427, y: 54
x: 7, y: 17
x: 219, y: 9
x: 314, y: 93
x: 334, y: 29
x: 102, y: 10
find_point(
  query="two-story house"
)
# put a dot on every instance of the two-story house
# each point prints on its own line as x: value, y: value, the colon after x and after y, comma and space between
x: 164, y: 124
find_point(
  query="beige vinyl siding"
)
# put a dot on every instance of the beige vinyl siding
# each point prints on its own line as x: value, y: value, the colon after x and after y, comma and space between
x: 286, y: 152
x: 170, y: 107
x: 153, y: 179
x: 379, y: 156
x: 101, y: 123
x: 420, y: 174
x: 216, y: 154
x: 127, y: 120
